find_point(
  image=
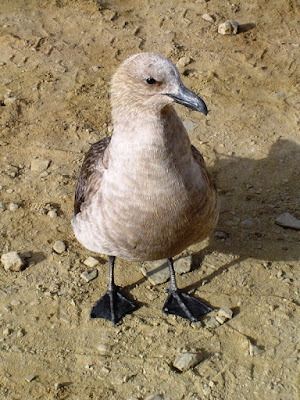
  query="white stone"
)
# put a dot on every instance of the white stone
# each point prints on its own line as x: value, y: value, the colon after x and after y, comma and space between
x: 91, y: 262
x: 13, y: 206
x: 229, y: 27
x: 185, y: 361
x: 253, y: 349
x: 59, y: 246
x: 184, y: 62
x: 52, y: 213
x: 287, y: 220
x: 12, y: 261
x: 225, y: 312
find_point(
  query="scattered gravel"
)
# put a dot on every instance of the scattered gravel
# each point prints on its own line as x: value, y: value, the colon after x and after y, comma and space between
x: 59, y: 247
x: 158, y: 271
x: 229, y: 27
x: 185, y: 361
x: 12, y: 261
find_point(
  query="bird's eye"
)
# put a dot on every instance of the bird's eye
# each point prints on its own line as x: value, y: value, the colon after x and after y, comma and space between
x: 151, y: 81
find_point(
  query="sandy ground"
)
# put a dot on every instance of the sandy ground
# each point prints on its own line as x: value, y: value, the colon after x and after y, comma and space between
x: 56, y: 61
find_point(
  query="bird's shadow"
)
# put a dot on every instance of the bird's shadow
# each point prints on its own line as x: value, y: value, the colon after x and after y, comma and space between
x: 253, y: 192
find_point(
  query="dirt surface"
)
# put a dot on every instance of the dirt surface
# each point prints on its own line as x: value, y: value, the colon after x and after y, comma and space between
x: 56, y: 61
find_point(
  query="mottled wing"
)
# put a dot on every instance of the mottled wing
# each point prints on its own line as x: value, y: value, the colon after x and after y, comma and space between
x: 92, y: 164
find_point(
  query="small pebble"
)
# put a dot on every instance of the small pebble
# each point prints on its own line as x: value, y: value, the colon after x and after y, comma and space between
x: 39, y: 164
x: 253, y: 349
x: 2, y: 207
x: 185, y: 361
x: 189, y: 125
x: 287, y: 220
x: 59, y: 247
x: 225, y: 312
x: 208, y: 18
x: 103, y: 349
x: 95, y: 68
x: 13, y: 206
x: 12, y: 261
x: 90, y: 275
x: 206, y: 390
x: 184, y: 62
x: 7, y: 332
x: 9, y: 100
x: 221, y: 235
x: 52, y: 213
x: 155, y: 396
x: 91, y: 262
x: 229, y: 27
x: 247, y: 223
x: 220, y: 319
x: 29, y: 378
x: 211, y: 322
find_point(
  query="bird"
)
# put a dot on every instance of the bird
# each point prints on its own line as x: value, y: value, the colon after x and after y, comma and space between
x: 144, y: 193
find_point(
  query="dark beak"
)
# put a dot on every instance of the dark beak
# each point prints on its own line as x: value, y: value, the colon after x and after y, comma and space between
x: 189, y: 99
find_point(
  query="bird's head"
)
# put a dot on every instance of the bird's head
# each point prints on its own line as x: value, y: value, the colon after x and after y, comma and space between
x: 147, y: 81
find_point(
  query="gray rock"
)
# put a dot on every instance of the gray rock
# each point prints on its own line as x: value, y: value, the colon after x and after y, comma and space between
x: 158, y: 271
x: 12, y: 261
x: 185, y: 361
x: 59, y: 246
x: 229, y: 27
x: 89, y: 275
x: 287, y: 220
x: 247, y: 223
x: 189, y: 125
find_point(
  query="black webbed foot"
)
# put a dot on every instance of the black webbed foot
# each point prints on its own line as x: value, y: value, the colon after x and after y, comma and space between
x: 112, y: 306
x: 185, y: 306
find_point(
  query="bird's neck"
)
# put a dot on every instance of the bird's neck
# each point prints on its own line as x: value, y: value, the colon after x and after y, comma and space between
x: 142, y: 134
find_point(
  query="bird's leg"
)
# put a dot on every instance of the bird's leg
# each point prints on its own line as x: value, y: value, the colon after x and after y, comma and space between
x: 181, y: 303
x: 113, y: 305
